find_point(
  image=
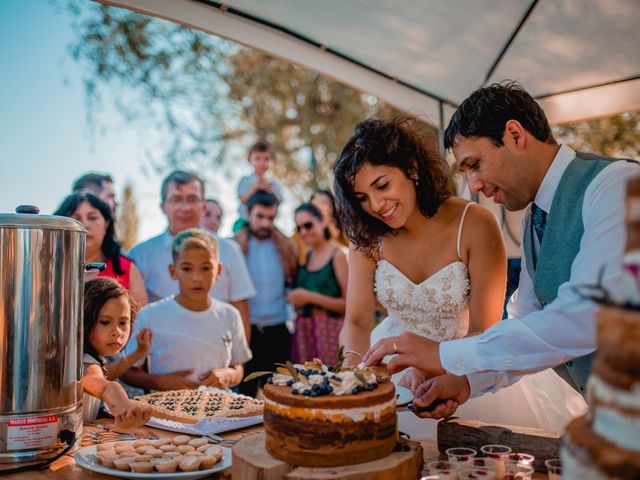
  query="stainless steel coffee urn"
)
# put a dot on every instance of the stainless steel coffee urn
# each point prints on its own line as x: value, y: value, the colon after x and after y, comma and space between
x: 41, y: 294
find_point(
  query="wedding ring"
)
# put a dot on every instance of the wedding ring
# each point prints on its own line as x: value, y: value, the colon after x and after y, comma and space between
x: 395, y: 348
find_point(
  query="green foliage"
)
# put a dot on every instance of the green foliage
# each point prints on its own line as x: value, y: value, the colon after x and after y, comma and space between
x: 617, y: 136
x: 205, y: 95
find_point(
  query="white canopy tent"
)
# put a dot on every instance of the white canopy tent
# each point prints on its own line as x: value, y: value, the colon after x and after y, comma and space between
x: 579, y: 58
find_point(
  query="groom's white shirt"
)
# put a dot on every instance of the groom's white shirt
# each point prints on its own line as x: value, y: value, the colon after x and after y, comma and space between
x: 534, y: 339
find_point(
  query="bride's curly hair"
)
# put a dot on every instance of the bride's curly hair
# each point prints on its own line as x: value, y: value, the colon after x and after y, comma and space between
x: 395, y: 143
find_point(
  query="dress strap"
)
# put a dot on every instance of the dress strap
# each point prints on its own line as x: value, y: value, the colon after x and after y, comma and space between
x: 464, y: 212
x: 380, y: 250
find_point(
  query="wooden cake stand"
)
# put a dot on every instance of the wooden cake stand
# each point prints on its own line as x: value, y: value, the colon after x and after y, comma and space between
x: 251, y: 461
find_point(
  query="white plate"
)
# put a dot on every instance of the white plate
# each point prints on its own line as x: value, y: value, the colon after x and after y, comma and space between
x: 403, y: 396
x: 86, y: 458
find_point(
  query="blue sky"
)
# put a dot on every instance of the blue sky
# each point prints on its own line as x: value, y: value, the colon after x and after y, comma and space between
x: 44, y: 140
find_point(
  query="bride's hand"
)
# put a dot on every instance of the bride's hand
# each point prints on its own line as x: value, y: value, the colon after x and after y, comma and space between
x: 410, y: 350
x: 412, y: 379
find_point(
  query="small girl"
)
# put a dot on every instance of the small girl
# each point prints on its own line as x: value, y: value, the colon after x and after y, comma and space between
x: 320, y: 290
x: 108, y: 313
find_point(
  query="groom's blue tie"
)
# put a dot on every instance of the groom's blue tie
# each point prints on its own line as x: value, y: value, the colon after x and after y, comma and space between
x: 539, y: 220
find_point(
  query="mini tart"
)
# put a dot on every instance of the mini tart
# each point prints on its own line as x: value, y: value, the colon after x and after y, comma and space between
x: 214, y: 451
x: 141, y: 467
x: 123, y: 463
x: 190, y: 464
x: 184, y: 449
x: 588, y: 448
x: 180, y: 440
x: 198, y: 442
x: 208, y: 462
x: 107, y: 459
x: 166, y: 465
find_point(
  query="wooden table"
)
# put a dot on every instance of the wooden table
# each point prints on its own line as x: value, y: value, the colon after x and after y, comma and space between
x: 65, y: 468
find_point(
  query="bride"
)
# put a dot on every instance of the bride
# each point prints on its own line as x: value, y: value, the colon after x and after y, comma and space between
x: 437, y: 264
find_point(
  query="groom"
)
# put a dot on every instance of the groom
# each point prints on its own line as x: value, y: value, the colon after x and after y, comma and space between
x: 574, y: 231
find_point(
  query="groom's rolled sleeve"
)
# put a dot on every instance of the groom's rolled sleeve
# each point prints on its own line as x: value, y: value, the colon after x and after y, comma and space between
x: 488, y: 382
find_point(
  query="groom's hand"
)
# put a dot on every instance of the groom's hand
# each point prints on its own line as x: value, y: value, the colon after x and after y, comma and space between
x: 410, y: 350
x: 451, y: 389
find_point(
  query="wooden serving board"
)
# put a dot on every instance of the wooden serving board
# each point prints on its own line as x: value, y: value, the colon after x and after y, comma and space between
x: 251, y: 461
x: 458, y: 432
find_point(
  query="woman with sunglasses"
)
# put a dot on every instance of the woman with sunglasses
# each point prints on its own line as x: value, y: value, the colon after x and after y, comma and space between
x: 320, y: 292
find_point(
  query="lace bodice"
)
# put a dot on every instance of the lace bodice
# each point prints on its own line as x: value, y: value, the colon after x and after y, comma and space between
x: 436, y: 308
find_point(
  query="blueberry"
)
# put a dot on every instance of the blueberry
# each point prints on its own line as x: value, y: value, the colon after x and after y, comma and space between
x: 294, y: 391
x: 306, y: 393
x: 270, y: 380
x: 289, y: 383
x: 355, y: 390
x: 323, y: 373
x: 314, y: 393
x: 330, y: 368
x: 329, y: 389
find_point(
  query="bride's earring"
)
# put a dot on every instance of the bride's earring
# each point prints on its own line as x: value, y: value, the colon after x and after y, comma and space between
x: 414, y: 177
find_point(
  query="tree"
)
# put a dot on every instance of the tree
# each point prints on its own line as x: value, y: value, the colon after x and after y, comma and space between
x: 206, y: 95
x: 616, y: 136
x: 127, y: 224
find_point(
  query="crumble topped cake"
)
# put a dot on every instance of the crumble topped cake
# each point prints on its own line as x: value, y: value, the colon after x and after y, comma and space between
x: 317, y: 417
x: 191, y: 406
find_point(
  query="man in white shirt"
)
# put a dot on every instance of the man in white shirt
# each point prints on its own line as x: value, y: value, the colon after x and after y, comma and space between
x: 182, y: 195
x: 501, y: 139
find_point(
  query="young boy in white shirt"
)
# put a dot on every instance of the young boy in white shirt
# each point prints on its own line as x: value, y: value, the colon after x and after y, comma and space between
x: 196, y: 340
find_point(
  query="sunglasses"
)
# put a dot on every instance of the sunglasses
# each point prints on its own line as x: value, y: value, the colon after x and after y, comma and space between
x: 305, y: 226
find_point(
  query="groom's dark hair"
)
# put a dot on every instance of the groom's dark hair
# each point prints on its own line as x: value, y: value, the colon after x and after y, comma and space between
x: 401, y: 143
x: 487, y: 110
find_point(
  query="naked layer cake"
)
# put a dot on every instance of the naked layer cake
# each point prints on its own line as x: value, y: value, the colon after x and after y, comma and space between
x: 605, y: 443
x: 325, y: 419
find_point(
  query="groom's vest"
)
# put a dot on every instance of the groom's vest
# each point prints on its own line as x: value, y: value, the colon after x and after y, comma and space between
x: 560, y: 245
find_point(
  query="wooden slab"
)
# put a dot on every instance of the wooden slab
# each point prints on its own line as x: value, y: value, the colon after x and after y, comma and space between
x: 458, y: 432
x: 251, y: 461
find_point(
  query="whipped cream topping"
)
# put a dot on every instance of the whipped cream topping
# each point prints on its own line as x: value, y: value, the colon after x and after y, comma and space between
x: 342, y: 383
x: 355, y: 414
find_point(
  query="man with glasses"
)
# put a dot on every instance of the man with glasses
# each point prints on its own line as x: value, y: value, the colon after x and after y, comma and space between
x: 182, y: 195
x: 272, y: 260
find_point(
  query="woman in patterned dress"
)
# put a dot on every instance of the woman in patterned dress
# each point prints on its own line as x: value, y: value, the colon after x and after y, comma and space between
x: 319, y: 296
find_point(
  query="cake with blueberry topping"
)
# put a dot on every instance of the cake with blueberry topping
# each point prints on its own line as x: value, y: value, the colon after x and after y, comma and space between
x: 317, y: 417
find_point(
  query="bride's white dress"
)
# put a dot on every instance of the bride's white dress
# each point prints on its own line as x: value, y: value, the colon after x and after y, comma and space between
x: 438, y: 308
